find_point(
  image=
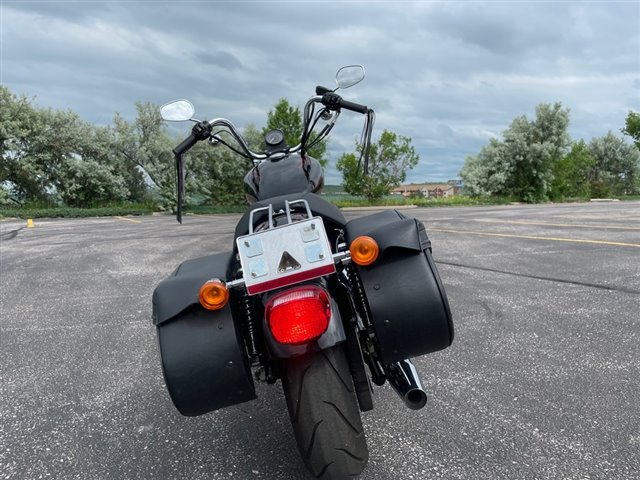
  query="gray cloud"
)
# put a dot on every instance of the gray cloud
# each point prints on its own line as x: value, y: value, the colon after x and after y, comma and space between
x: 448, y: 74
x: 220, y: 59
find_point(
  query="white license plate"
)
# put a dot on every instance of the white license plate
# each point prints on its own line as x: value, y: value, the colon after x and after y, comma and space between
x: 285, y: 255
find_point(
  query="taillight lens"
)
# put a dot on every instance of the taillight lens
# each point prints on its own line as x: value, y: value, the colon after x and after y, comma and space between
x: 298, y: 315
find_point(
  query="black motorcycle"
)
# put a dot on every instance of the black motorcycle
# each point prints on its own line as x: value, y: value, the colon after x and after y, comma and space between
x: 325, y: 305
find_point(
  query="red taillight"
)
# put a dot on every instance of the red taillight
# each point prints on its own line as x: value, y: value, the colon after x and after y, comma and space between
x: 298, y: 315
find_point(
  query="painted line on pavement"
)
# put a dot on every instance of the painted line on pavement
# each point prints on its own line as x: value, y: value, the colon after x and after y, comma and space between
x: 128, y: 219
x: 526, y: 222
x: 531, y: 237
x: 538, y: 277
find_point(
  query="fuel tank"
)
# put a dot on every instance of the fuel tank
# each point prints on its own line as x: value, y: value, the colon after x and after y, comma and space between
x: 293, y: 174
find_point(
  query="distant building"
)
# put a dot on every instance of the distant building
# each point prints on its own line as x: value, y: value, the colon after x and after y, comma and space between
x: 430, y: 190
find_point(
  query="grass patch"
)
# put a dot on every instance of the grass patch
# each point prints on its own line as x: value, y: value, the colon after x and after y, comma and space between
x: 363, y: 202
x: 393, y: 201
x: 341, y: 201
x: 32, y: 211
x: 67, y: 212
x: 461, y: 201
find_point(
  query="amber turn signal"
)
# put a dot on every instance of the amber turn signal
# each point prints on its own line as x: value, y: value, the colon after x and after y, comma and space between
x: 213, y: 295
x: 364, y: 250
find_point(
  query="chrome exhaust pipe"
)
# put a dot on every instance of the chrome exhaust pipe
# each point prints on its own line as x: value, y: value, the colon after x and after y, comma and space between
x: 403, y: 377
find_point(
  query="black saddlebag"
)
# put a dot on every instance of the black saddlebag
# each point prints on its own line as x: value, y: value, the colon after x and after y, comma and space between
x: 203, y: 359
x: 406, y: 298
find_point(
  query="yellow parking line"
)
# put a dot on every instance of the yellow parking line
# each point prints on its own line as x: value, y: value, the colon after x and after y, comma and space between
x: 128, y: 219
x: 524, y: 222
x: 531, y: 237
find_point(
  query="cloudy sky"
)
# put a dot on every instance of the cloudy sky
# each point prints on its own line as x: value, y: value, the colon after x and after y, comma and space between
x: 450, y: 75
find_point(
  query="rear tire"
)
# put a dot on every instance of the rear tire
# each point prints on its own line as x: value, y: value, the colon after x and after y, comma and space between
x: 324, y: 414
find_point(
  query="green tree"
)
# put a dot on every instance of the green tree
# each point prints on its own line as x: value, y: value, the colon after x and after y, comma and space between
x: 143, y: 155
x: 44, y: 154
x: 103, y: 148
x: 220, y: 175
x: 389, y: 159
x: 78, y: 161
x: 616, y: 169
x: 572, y: 173
x: 5, y: 196
x: 86, y: 183
x: 522, y: 164
x: 632, y: 127
x: 19, y: 176
x: 288, y: 118
x: 487, y: 172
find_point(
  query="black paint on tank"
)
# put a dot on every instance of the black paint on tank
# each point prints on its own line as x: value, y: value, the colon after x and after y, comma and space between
x: 293, y: 174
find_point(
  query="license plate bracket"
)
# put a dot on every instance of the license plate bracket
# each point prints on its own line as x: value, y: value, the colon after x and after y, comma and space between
x: 285, y: 255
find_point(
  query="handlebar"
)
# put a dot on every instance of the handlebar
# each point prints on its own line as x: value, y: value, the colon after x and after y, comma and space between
x: 186, y: 144
x: 329, y: 99
x: 200, y: 131
x: 354, y: 107
x: 335, y: 102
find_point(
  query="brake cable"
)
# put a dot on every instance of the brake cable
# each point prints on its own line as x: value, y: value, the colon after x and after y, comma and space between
x: 323, y: 133
x: 365, y: 140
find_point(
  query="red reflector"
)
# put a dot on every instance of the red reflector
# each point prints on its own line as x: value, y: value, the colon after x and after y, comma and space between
x: 298, y: 315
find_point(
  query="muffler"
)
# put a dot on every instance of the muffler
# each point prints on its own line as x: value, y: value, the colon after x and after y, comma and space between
x: 403, y: 377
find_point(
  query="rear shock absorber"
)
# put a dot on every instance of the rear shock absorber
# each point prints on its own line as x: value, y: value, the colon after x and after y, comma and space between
x: 250, y: 329
x: 360, y: 299
x: 368, y: 333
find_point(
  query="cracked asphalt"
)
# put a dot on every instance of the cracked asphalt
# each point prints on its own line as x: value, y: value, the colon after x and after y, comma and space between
x: 542, y: 380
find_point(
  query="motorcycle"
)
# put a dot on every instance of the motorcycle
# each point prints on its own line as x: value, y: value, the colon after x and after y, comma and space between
x: 327, y: 306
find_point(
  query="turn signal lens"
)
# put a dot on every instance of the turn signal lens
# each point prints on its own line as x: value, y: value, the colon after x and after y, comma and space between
x: 213, y: 295
x: 298, y: 315
x: 364, y: 250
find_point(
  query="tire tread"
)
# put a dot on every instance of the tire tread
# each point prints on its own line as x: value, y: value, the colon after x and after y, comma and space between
x: 325, y: 415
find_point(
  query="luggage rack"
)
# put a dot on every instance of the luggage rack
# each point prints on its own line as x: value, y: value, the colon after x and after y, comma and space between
x: 271, y: 213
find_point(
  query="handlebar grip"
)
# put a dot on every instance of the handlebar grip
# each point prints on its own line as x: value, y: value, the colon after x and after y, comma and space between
x: 186, y: 144
x: 354, y: 107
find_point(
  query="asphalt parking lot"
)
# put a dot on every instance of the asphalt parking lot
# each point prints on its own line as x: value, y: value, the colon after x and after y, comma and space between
x: 542, y: 381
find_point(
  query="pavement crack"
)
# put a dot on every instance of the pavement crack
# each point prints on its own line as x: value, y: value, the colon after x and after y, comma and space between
x: 548, y: 279
x: 11, y: 234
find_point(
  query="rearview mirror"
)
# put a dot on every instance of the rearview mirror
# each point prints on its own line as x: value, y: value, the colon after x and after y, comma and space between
x: 177, y: 111
x: 350, y: 75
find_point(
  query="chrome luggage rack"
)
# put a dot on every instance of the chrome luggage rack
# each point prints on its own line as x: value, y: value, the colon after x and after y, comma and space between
x: 271, y: 213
